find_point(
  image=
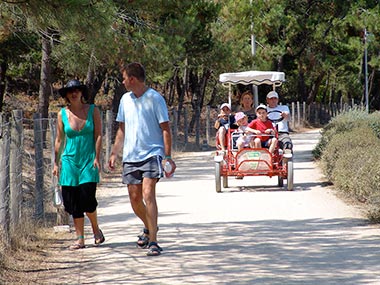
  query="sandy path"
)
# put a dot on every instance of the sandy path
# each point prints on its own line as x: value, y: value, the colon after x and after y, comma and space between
x: 251, y: 233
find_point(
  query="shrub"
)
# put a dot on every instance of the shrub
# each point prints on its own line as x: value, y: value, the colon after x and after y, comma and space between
x: 343, y: 142
x: 344, y: 122
x: 348, y: 151
x: 374, y: 123
x: 350, y: 174
x: 357, y: 175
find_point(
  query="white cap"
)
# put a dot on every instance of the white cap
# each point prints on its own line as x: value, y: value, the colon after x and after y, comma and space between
x: 261, y: 106
x: 272, y: 94
x: 225, y: 105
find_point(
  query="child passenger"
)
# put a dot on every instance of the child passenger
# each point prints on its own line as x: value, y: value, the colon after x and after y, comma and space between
x: 246, y: 137
x: 225, y: 121
x: 262, y: 125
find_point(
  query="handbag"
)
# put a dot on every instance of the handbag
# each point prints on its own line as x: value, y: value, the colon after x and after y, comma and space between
x: 57, y: 194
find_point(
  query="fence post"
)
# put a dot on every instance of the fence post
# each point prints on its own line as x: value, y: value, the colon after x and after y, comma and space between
x: 108, y: 137
x: 175, y: 128
x: 298, y: 114
x: 303, y: 114
x: 208, y: 125
x: 185, y: 126
x: 39, y: 167
x: 317, y: 114
x: 4, y: 183
x: 15, y: 162
x: 293, y: 118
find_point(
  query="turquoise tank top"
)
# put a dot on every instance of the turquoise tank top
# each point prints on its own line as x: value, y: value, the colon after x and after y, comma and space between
x: 79, y: 153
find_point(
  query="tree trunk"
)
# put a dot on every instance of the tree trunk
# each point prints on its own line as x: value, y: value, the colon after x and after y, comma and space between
x: 3, y: 70
x: 94, y: 80
x: 314, y: 89
x: 45, y: 78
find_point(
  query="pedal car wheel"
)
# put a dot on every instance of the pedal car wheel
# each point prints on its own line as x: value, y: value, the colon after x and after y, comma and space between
x: 289, y: 165
x: 280, y: 182
x: 225, y: 181
x: 218, y: 183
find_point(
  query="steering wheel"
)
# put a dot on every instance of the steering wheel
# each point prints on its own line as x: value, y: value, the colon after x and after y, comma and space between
x: 276, y: 117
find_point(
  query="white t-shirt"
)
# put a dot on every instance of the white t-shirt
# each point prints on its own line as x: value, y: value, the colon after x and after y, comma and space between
x: 283, y: 126
x: 142, y: 117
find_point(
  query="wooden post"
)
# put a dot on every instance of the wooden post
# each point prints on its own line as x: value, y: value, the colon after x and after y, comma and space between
x: 298, y: 114
x: 108, y: 137
x: 4, y: 183
x: 16, y: 168
x: 293, y: 118
x: 317, y: 114
x: 197, y: 126
x: 208, y: 125
x: 185, y: 126
x: 175, y: 128
x: 303, y: 113
x: 39, y: 167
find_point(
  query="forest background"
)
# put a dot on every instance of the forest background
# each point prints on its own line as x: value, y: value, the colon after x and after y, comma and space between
x: 325, y: 49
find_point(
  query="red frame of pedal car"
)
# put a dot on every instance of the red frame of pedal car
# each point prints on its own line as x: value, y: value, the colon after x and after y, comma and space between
x: 276, y: 167
x: 277, y: 164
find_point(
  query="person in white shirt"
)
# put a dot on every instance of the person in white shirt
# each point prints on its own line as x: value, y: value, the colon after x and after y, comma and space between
x: 284, y: 139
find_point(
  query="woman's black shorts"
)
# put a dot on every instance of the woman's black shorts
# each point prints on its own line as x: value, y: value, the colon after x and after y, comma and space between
x: 80, y: 199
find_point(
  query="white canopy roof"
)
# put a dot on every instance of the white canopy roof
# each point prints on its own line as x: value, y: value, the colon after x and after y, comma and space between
x: 253, y: 77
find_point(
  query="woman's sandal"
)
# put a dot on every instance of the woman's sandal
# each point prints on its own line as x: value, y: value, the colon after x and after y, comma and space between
x: 99, y: 238
x: 77, y: 245
x: 154, y: 249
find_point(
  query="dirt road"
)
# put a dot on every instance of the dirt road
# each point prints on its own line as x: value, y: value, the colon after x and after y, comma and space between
x: 251, y: 233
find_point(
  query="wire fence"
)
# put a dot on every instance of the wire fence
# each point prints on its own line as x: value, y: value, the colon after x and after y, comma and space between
x: 27, y: 156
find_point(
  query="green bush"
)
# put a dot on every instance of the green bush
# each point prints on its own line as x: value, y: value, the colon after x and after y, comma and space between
x: 343, y: 142
x: 357, y: 175
x: 374, y: 123
x: 348, y: 150
x: 344, y: 122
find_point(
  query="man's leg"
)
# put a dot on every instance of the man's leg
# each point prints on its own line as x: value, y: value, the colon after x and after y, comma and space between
x: 285, y: 142
x: 151, y: 210
x: 136, y: 199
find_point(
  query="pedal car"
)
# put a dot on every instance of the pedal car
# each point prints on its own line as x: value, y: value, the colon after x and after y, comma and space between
x: 252, y: 161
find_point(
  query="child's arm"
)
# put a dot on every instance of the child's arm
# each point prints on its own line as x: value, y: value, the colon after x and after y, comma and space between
x: 270, y: 131
x: 249, y: 130
x: 218, y: 121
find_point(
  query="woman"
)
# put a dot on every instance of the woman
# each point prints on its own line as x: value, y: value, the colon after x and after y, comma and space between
x: 246, y: 105
x: 79, y: 136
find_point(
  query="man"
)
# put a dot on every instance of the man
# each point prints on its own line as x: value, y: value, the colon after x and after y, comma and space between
x: 285, y: 142
x: 144, y: 134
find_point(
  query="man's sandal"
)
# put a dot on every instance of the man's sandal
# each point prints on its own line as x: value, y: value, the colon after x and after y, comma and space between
x: 154, y: 249
x: 99, y: 238
x: 143, y: 240
x: 77, y: 245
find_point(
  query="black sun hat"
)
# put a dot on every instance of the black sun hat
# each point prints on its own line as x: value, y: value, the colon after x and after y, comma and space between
x: 72, y: 84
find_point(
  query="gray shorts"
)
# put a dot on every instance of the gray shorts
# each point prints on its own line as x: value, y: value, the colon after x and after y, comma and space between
x: 134, y: 172
x: 284, y: 141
